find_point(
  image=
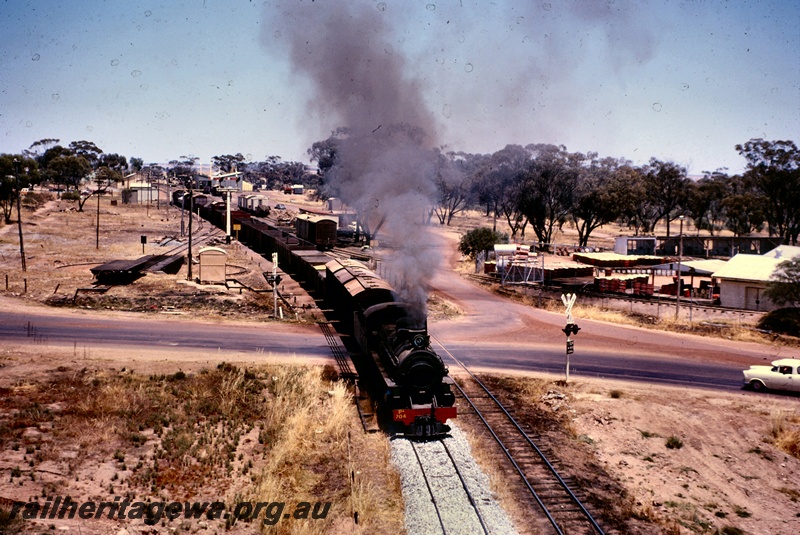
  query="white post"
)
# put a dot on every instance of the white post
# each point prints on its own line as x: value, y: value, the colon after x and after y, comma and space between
x: 274, y: 285
x: 680, y: 273
x: 228, y: 217
x: 569, y: 302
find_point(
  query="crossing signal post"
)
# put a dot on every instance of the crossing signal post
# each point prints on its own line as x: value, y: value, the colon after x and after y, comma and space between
x: 275, y: 281
x: 570, y: 329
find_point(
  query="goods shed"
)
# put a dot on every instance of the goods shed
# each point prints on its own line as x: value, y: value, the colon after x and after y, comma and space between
x: 744, y: 278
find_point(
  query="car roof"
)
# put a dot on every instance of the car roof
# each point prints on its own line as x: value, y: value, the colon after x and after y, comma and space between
x: 786, y: 362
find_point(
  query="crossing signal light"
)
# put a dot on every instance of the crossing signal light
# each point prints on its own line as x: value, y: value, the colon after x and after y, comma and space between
x: 571, y: 328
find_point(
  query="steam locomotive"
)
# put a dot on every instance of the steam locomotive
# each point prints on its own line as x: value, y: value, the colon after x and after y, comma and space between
x: 395, y: 360
x: 406, y: 377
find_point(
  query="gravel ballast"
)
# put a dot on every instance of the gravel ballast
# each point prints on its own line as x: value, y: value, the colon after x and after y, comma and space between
x: 452, y: 504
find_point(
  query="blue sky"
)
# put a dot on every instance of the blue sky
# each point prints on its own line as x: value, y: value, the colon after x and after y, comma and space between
x: 682, y: 81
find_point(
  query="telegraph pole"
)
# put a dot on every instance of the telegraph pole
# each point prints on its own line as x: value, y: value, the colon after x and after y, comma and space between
x: 680, y: 278
x: 189, y: 273
x: 97, y: 231
x: 19, y: 215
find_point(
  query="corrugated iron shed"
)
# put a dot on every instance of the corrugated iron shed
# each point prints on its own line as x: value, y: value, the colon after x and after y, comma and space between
x: 755, y: 268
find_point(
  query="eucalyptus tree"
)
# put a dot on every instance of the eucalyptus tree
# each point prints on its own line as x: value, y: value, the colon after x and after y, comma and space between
x: 136, y: 164
x: 503, y: 177
x: 705, y: 201
x: 773, y: 169
x: 599, y: 195
x: 109, y: 172
x: 455, y: 173
x: 784, y: 285
x: 667, y: 190
x: 550, y: 181
x: 274, y: 172
x: 326, y: 154
x: 68, y: 169
x: 637, y: 209
x: 17, y: 171
x: 744, y: 214
x: 228, y: 163
x: 86, y: 149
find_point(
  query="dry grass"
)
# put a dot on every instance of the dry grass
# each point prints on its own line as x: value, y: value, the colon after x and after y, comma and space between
x: 441, y: 309
x: 785, y: 432
x: 730, y: 330
x: 265, y: 434
x: 542, y: 409
x: 60, y: 251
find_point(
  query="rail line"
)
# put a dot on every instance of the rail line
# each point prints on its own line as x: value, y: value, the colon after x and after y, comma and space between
x: 362, y: 401
x: 562, y: 508
x: 454, y: 504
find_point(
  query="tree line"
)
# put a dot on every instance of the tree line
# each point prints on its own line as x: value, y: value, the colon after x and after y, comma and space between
x: 68, y: 167
x: 535, y: 188
x: 542, y: 187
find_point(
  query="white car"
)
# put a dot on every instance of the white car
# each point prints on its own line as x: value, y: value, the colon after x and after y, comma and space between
x: 784, y: 374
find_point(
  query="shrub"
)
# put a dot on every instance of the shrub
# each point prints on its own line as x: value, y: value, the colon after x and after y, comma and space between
x: 35, y: 200
x: 481, y: 239
x: 784, y: 286
x: 674, y: 443
x: 70, y: 196
x: 783, y: 321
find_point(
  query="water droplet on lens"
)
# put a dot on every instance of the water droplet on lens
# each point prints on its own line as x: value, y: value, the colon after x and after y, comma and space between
x: 114, y: 62
x: 656, y: 106
x: 382, y: 6
x: 29, y: 124
x: 148, y: 13
x: 89, y: 128
x: 468, y: 67
x: 136, y: 73
x: 447, y: 111
x: 56, y: 96
x: 431, y: 7
x: 35, y: 57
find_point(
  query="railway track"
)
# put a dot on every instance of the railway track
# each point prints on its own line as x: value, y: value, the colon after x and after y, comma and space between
x: 550, y: 493
x: 444, y: 489
x: 366, y: 412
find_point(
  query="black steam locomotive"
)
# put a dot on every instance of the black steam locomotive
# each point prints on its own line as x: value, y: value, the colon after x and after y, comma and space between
x: 396, y: 362
x: 407, y: 378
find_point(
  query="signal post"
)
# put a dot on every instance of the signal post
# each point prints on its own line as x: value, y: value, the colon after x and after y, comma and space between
x: 570, y: 328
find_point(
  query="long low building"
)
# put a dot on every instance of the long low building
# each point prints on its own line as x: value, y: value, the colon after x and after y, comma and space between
x: 743, y: 279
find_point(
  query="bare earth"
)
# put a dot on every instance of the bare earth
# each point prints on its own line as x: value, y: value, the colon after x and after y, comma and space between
x: 728, y: 473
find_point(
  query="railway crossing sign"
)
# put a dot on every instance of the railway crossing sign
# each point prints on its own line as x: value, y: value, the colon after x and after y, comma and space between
x: 569, y: 302
x: 570, y: 328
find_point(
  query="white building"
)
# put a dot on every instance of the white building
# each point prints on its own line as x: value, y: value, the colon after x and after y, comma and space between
x: 744, y: 278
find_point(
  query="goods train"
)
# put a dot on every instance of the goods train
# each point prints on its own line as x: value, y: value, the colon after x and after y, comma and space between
x: 396, y: 363
x: 406, y: 377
